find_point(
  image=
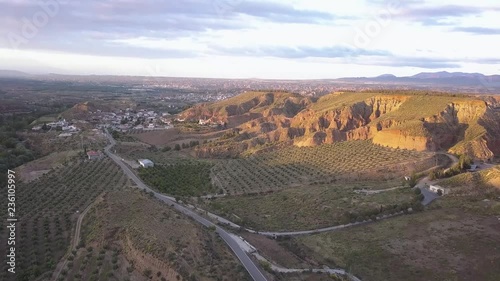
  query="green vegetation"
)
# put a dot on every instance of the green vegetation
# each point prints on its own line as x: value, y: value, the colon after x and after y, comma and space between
x: 432, y: 245
x: 191, y: 178
x: 14, y: 151
x: 323, y: 164
x: 463, y: 164
x: 247, y: 97
x: 314, y: 207
x: 335, y: 101
x: 421, y: 106
x: 474, y: 182
x: 47, y: 211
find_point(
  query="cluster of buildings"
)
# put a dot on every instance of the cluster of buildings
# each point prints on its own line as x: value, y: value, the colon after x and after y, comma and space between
x: 129, y: 119
x: 62, y: 125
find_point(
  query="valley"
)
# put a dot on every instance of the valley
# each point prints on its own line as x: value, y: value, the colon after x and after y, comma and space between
x: 265, y: 186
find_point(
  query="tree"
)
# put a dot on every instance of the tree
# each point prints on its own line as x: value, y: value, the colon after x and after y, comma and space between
x: 412, y: 182
x: 177, y: 147
x: 464, y: 162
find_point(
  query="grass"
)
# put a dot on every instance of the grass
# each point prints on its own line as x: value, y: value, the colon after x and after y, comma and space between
x: 244, y: 98
x: 186, y: 179
x: 469, y: 182
x: 310, y: 208
x: 299, y: 166
x: 441, y: 244
x: 335, y: 101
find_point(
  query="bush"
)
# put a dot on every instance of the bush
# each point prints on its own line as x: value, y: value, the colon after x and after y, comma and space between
x: 147, y: 272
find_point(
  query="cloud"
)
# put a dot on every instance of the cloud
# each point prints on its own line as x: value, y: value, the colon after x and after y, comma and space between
x: 80, y: 21
x: 441, y: 15
x: 477, y: 30
x: 300, y: 52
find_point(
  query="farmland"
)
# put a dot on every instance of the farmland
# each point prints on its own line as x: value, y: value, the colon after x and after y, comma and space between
x: 299, y: 166
x: 48, y: 209
x: 311, y: 207
x: 439, y: 244
x: 136, y: 150
x: 131, y: 236
x: 190, y: 178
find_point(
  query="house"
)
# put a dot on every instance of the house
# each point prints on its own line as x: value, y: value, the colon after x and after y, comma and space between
x: 36, y: 128
x: 204, y: 121
x: 65, y: 135
x: 92, y: 155
x: 438, y: 189
x: 146, y: 163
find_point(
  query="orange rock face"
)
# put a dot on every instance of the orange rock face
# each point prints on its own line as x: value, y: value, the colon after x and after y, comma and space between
x: 459, y: 124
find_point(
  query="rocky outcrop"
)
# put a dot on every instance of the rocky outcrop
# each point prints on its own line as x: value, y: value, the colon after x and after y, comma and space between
x: 462, y: 125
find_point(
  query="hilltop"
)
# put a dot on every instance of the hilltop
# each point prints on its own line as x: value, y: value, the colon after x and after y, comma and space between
x: 417, y: 121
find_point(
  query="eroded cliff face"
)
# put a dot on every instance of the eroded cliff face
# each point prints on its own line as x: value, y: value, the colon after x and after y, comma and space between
x: 462, y: 125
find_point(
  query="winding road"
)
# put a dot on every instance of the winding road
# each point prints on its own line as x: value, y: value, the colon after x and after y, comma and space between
x: 245, y: 260
x: 232, y: 240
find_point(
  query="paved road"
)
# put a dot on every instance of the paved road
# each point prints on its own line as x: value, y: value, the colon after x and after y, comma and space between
x: 245, y: 260
x: 423, y: 184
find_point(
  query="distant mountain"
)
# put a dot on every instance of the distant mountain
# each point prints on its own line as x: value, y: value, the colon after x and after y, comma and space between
x: 443, y: 80
x: 13, y: 74
x: 446, y: 74
x: 387, y: 76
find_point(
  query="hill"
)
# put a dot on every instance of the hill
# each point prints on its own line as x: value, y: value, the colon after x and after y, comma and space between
x: 406, y: 120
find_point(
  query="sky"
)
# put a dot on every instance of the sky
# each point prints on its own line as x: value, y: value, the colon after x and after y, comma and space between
x: 276, y: 39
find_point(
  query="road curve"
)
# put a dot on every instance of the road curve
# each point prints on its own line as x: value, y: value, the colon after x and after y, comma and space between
x: 245, y: 260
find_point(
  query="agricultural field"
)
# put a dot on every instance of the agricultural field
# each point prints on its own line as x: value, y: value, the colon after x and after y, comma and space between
x: 190, y: 178
x: 312, y: 207
x: 179, y: 135
x: 299, y: 166
x: 438, y: 244
x: 47, y: 210
x: 133, y: 151
x: 130, y: 235
x: 34, y: 169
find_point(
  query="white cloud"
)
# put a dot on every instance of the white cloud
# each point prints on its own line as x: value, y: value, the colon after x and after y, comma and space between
x: 369, y: 25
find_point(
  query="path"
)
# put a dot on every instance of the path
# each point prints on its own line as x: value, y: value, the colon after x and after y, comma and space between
x: 75, y: 240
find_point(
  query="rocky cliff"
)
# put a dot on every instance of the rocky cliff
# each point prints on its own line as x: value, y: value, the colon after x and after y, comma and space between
x: 411, y: 121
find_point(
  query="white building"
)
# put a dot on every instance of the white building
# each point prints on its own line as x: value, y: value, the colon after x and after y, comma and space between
x: 146, y: 163
x: 437, y: 188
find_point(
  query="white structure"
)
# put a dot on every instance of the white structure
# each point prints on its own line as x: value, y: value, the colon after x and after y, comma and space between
x: 437, y: 188
x: 146, y: 163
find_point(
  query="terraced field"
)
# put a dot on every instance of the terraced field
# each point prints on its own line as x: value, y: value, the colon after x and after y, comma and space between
x: 316, y: 165
x: 47, y: 210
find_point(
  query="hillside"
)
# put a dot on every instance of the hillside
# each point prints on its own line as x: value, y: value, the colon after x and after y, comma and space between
x: 417, y: 121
